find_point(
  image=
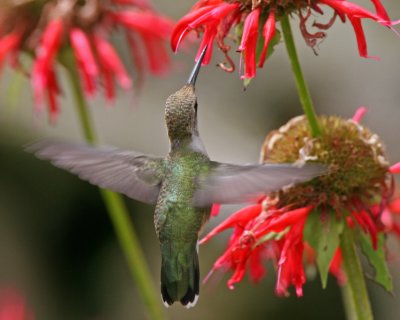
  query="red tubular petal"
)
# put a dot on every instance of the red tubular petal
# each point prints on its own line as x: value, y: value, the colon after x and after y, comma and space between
x: 89, y: 83
x: 208, y: 17
x: 250, y: 29
x: 52, y: 90
x: 208, y: 40
x: 380, y: 10
x: 85, y: 60
x: 45, y: 55
x: 317, y: 8
x: 268, y: 34
x: 290, y: 265
x: 210, y: 21
x: 249, y: 43
x: 336, y: 267
x: 386, y: 218
x: 215, y: 209
x: 83, y: 52
x: 283, y: 221
x: 394, y: 206
x: 350, y: 222
x: 110, y: 61
x: 360, y: 221
x: 145, y: 22
x: 371, y: 229
x: 360, y: 112
x: 225, y: 258
x: 240, y: 217
x: 238, y: 231
x: 109, y: 85
x: 395, y: 169
x: 353, y: 10
x: 257, y: 270
x: 341, y: 15
x: 237, y: 276
x: 181, y: 28
x: 361, y: 42
x: 7, y: 44
x: 215, y: 15
x: 51, y: 39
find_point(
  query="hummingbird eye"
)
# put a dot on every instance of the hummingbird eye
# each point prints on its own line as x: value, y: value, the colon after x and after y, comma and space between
x: 195, y: 108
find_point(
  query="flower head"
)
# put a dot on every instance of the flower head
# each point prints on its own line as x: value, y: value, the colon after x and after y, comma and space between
x: 255, y: 25
x: 306, y: 220
x: 49, y: 28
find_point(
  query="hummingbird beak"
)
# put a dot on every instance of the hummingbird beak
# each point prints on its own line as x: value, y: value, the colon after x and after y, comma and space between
x: 196, y: 69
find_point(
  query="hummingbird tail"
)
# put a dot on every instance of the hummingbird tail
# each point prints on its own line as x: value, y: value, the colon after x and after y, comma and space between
x: 180, y: 276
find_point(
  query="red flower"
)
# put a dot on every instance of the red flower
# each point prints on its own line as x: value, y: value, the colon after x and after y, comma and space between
x: 215, y: 18
x: 390, y: 216
x: 13, y: 306
x: 248, y: 244
x: 290, y: 264
x: 215, y: 209
x: 85, y: 27
x: 275, y: 228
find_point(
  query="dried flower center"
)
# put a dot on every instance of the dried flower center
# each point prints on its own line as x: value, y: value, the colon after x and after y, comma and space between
x: 355, y: 155
x: 281, y: 7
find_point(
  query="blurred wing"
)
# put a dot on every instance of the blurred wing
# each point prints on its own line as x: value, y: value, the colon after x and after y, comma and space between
x: 227, y: 183
x: 134, y: 174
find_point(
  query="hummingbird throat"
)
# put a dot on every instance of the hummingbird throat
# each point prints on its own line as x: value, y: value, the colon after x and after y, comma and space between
x: 181, y: 114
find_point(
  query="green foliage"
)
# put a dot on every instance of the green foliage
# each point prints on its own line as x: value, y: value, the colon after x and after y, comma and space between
x: 322, y: 233
x: 272, y: 236
x: 377, y: 260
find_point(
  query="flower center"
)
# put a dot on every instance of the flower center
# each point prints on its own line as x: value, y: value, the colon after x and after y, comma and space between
x: 281, y: 7
x: 355, y: 156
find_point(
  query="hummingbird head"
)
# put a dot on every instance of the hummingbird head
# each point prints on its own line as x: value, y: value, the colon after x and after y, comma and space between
x: 181, y: 107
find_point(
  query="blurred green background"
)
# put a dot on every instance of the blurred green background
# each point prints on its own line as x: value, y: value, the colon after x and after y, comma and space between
x: 56, y: 241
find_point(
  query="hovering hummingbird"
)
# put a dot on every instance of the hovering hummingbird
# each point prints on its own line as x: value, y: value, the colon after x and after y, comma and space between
x: 183, y: 185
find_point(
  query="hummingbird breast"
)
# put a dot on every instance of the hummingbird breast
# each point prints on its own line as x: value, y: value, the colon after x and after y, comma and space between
x: 176, y: 219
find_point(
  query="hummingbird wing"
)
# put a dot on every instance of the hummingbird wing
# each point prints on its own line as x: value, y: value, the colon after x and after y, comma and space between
x: 229, y: 183
x: 134, y: 174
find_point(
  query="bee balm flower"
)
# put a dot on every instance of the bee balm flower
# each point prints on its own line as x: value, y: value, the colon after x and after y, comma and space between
x: 49, y: 28
x: 288, y: 225
x: 255, y: 23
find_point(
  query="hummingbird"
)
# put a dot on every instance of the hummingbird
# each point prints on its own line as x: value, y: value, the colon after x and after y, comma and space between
x: 183, y: 185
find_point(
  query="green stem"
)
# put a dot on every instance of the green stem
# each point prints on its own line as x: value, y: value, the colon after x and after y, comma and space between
x: 355, y: 292
x: 116, y: 208
x: 301, y: 85
x: 348, y: 302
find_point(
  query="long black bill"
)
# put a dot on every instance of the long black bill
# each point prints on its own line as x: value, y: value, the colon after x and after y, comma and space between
x: 196, y: 69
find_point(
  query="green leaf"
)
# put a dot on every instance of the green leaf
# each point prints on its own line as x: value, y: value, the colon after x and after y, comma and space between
x: 272, y: 236
x: 322, y: 233
x: 271, y: 46
x: 238, y: 32
x: 246, y: 83
x: 377, y: 260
